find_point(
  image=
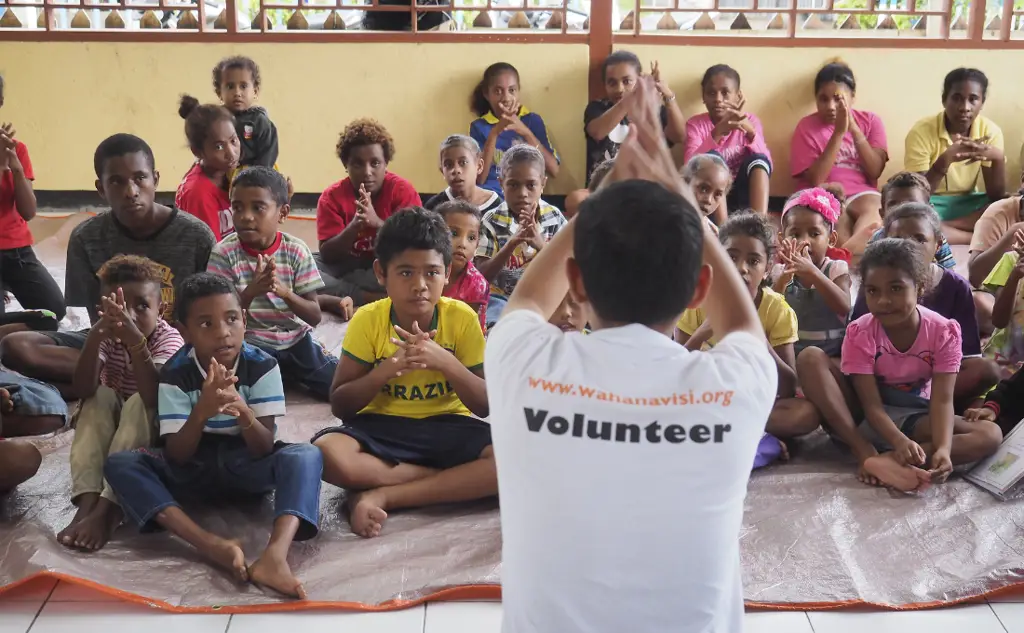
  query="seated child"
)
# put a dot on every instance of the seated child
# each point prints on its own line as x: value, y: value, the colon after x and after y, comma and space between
x: 136, y: 224
x: 237, y: 82
x: 908, y: 186
x: 817, y: 287
x: 946, y: 293
x: 117, y: 376
x: 504, y: 122
x: 710, y: 180
x: 21, y: 272
x: 748, y: 240
x: 960, y: 152
x: 1006, y: 346
x: 461, y: 164
x: 1004, y: 405
x: 219, y: 399
x: 210, y: 130
x: 576, y: 198
x: 516, y: 231
x: 465, y: 282
x: 902, y: 361
x: 276, y: 278
x: 29, y: 407
x: 568, y: 317
x: 734, y: 135
x: 840, y: 145
x: 409, y: 381
x: 350, y: 212
x: 605, y: 122
x: 749, y: 243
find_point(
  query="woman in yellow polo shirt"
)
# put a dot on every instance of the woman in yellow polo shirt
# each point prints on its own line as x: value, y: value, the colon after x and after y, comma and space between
x: 960, y: 152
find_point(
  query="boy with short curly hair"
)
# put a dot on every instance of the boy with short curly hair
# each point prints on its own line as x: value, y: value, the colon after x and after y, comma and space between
x: 351, y: 210
x: 117, y: 377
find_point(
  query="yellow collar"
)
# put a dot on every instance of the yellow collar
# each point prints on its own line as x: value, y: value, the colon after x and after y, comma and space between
x: 974, y: 132
x: 493, y: 120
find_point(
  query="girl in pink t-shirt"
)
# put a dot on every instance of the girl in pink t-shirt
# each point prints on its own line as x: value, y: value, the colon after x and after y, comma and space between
x: 734, y: 135
x: 465, y: 282
x: 902, y: 360
x: 841, y: 145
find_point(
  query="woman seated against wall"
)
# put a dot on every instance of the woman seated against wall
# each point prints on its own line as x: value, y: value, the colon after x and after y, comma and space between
x: 960, y: 152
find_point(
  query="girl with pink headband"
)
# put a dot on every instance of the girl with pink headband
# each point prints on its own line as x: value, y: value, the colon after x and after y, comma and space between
x: 817, y: 287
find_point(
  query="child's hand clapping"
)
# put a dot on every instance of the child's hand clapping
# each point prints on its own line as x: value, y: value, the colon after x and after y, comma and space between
x: 118, y: 324
x: 264, y: 278
x: 8, y: 148
x: 365, y: 213
x: 734, y: 119
x: 219, y: 394
x: 423, y: 351
x: 797, y: 258
x: 663, y: 89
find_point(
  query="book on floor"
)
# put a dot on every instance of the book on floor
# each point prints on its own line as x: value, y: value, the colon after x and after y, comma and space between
x: 1001, y: 471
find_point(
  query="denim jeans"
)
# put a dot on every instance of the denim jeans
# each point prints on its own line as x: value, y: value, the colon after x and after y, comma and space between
x: 495, y: 306
x: 308, y: 364
x: 146, y: 481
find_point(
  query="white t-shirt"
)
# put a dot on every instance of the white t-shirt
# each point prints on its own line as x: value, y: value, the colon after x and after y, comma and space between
x: 623, y: 462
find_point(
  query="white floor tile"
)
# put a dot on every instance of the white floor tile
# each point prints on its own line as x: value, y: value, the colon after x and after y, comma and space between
x: 973, y: 618
x: 777, y: 622
x: 16, y: 617
x: 70, y: 592
x: 1011, y: 615
x: 405, y: 621
x: 463, y: 617
x: 108, y: 617
x: 35, y: 591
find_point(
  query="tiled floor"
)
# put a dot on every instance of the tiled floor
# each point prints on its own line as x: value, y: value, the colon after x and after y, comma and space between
x: 56, y: 607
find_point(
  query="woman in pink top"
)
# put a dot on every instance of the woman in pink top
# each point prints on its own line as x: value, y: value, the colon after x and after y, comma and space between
x: 841, y: 145
x: 734, y: 135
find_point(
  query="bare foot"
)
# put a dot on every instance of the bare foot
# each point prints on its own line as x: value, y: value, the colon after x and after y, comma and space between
x: 95, y: 529
x: 891, y: 473
x: 273, y: 572
x: 366, y: 513
x: 6, y: 404
x: 783, y: 450
x: 859, y: 240
x: 86, y: 503
x: 228, y: 554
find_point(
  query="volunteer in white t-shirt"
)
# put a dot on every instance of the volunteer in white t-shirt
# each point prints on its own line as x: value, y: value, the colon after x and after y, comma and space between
x: 622, y: 457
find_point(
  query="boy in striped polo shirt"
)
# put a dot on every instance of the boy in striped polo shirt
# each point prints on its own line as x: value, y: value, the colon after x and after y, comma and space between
x: 277, y: 279
x: 219, y: 400
x: 117, y: 376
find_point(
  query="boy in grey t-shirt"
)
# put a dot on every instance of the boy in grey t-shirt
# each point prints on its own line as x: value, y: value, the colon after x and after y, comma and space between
x: 135, y: 225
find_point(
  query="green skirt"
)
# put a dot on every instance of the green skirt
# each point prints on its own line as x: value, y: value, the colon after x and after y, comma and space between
x: 958, y: 205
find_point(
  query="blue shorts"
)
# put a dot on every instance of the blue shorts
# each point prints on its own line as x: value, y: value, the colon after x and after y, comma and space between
x: 441, y: 441
x: 307, y: 364
x: 32, y: 397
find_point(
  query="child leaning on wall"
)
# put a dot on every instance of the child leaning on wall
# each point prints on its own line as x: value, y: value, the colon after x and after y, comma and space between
x: 504, y: 122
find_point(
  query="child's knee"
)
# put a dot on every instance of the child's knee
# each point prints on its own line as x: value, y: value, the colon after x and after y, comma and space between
x: 990, y: 436
x: 301, y: 456
x: 812, y: 359
x: 18, y: 349
x: 118, y: 464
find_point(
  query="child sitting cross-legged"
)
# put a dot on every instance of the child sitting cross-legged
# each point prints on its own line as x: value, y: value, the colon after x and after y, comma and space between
x: 409, y: 381
x: 117, y: 376
x: 465, y: 282
x: 277, y: 280
x: 218, y: 401
x: 902, y: 360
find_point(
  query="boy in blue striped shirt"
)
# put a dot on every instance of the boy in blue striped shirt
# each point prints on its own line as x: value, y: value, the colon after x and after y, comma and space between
x: 218, y: 401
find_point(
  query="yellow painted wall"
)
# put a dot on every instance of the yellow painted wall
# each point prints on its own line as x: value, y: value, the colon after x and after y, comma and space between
x: 64, y: 97
x: 899, y: 85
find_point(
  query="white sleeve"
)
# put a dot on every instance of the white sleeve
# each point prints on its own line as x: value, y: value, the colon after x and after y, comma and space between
x: 744, y: 360
x: 520, y: 340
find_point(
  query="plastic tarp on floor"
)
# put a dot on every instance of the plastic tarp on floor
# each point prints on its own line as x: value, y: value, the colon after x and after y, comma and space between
x: 812, y: 537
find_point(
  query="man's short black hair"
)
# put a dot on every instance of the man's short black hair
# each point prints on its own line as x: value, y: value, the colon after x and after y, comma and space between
x: 121, y: 145
x: 639, y: 248
x: 413, y: 228
x: 199, y: 286
x: 263, y: 178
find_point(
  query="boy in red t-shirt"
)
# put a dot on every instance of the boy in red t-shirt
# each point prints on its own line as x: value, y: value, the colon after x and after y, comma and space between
x: 351, y: 210
x: 21, y: 272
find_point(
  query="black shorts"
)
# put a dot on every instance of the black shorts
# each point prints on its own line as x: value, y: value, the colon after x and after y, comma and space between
x: 441, y: 441
x: 74, y: 340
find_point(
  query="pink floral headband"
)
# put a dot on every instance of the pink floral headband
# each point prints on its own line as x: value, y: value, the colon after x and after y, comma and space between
x: 818, y: 200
